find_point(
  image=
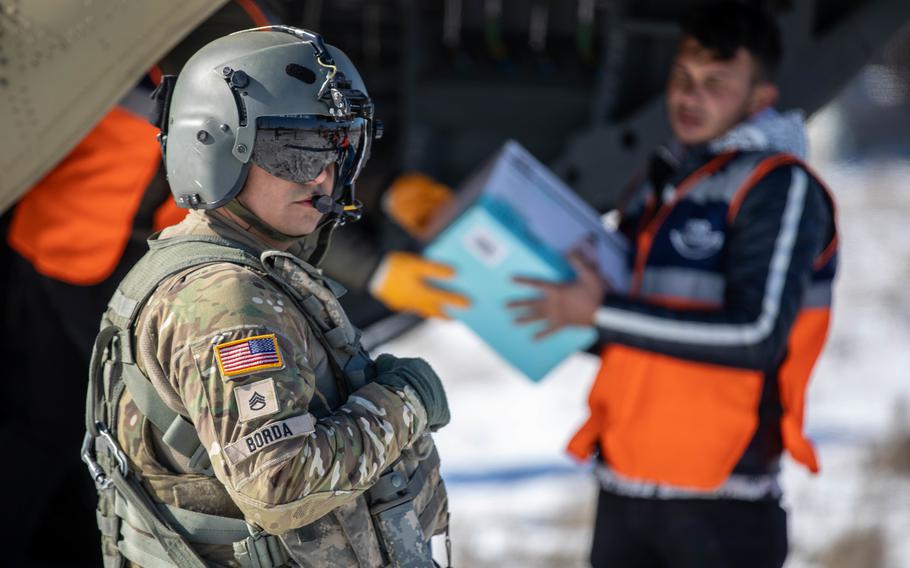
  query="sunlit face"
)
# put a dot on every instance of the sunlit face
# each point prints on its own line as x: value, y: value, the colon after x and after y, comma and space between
x: 284, y: 205
x: 706, y: 97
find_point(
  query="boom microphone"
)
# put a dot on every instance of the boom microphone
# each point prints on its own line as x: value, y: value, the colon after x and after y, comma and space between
x: 325, y: 204
x: 348, y: 213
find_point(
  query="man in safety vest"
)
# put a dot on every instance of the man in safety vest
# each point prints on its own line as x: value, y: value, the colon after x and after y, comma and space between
x: 233, y: 417
x: 705, y: 361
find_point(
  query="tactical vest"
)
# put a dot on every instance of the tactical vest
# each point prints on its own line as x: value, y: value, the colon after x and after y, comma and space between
x: 171, y: 536
x: 670, y: 422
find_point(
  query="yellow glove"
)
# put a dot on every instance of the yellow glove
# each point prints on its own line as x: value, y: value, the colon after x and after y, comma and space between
x: 401, y: 283
x: 413, y: 200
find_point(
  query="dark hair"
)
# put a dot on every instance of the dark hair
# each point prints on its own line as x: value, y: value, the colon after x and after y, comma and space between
x: 724, y: 27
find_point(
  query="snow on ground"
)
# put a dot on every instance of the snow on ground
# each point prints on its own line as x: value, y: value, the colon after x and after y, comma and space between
x: 863, y: 376
x: 517, y: 500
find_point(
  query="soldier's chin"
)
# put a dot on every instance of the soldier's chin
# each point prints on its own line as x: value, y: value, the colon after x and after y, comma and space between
x: 691, y: 135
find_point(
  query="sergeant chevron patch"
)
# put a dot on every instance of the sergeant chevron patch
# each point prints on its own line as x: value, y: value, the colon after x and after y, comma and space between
x: 256, y: 399
x: 245, y: 356
x: 268, y: 435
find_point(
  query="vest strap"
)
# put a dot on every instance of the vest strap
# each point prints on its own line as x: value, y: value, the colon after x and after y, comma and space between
x: 178, y: 432
x: 142, y: 550
x: 167, y: 257
x: 251, y: 549
x: 175, y: 547
x: 260, y: 550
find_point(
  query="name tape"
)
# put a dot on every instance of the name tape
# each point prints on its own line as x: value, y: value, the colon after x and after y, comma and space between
x: 269, y: 435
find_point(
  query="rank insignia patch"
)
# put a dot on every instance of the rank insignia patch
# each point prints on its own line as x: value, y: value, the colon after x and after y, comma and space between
x: 249, y: 355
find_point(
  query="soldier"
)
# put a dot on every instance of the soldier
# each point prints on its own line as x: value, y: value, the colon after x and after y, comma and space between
x: 233, y: 417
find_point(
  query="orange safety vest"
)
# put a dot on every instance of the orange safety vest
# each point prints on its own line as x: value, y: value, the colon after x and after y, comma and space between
x: 666, y: 420
x: 74, y: 224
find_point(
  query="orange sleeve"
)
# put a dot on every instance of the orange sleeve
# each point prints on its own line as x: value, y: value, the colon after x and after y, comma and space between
x: 75, y: 223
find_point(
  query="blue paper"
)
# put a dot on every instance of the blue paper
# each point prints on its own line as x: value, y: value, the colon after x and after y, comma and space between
x: 488, y: 245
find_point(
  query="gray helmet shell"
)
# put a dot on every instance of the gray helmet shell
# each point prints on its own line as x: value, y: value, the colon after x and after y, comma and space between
x: 222, y: 91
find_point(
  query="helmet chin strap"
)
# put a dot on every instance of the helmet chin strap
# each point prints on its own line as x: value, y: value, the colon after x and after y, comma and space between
x: 240, y: 210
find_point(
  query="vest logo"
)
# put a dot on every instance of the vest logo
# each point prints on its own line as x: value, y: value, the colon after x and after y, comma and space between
x: 269, y: 435
x: 697, y: 240
x: 257, y: 401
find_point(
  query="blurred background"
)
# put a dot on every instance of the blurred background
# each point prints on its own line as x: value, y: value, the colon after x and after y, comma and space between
x: 577, y: 82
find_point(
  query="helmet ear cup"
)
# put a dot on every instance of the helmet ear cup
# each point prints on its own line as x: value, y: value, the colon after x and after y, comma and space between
x: 210, y: 121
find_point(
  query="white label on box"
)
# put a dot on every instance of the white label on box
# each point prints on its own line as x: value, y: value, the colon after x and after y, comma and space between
x: 484, y: 246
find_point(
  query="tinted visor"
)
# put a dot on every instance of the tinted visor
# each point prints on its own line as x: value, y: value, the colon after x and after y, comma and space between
x: 299, y: 149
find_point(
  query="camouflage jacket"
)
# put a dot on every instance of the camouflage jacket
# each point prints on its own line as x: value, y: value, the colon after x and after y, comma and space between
x: 291, y: 452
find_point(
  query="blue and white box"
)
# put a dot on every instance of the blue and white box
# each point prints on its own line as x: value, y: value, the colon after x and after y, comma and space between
x: 516, y: 218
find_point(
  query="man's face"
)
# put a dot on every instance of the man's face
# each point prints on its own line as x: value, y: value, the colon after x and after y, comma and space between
x: 706, y: 97
x: 285, y: 205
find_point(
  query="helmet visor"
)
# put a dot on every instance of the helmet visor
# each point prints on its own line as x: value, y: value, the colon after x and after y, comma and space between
x: 299, y: 149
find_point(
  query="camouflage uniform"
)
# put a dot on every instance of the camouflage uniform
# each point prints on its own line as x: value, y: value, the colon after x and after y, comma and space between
x: 299, y: 464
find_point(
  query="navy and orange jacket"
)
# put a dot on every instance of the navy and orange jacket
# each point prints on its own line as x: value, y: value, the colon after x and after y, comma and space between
x: 706, y: 361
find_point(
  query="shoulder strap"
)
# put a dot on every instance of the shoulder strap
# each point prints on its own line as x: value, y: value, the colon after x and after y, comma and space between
x: 317, y: 298
x: 167, y: 257
x: 177, y: 432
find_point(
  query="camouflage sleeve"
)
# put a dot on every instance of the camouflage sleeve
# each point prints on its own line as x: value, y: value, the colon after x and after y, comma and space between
x: 241, y: 360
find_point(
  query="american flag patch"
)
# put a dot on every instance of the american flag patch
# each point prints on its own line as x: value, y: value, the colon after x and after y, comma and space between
x: 248, y: 355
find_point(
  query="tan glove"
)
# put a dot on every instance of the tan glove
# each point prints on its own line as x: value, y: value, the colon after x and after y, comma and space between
x: 401, y: 283
x: 413, y: 200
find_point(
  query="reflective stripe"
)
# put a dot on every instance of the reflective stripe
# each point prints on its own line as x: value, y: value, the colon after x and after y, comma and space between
x: 818, y: 295
x: 740, y: 487
x: 685, y: 283
x: 726, y: 334
x: 723, y: 184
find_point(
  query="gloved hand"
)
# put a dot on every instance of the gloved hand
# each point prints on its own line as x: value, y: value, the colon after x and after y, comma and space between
x: 417, y: 374
x: 413, y: 200
x: 400, y: 282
